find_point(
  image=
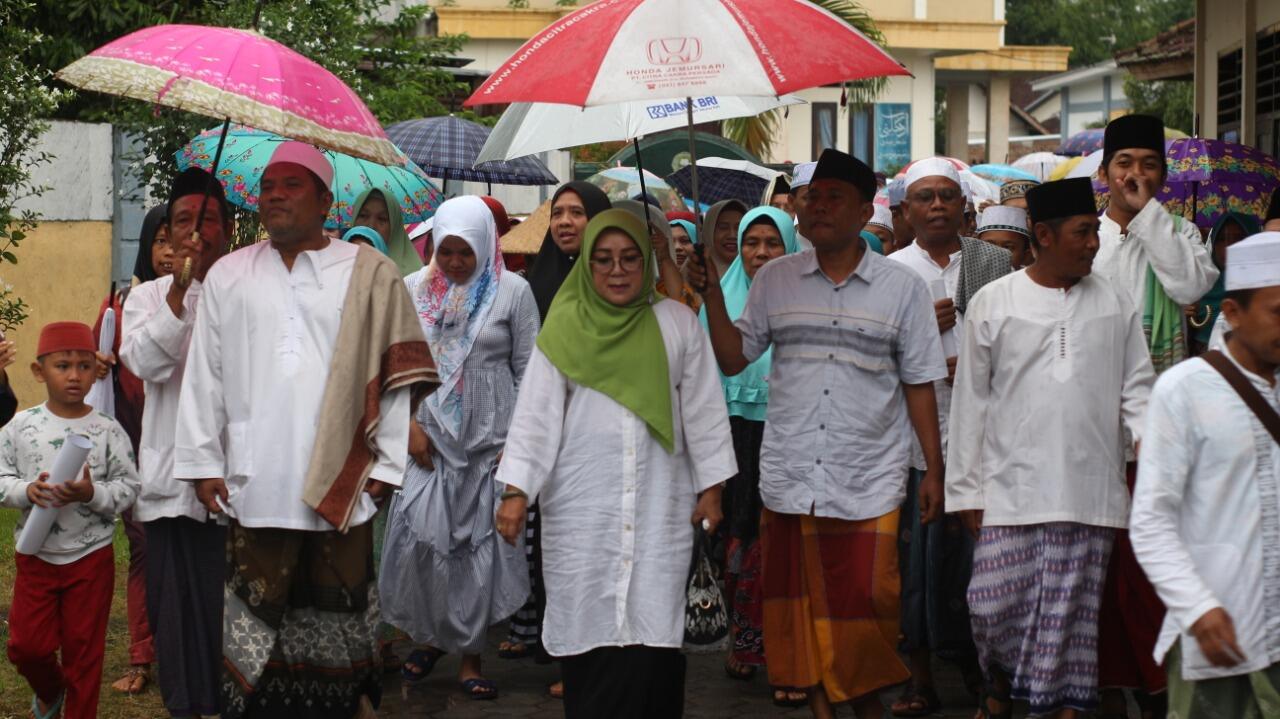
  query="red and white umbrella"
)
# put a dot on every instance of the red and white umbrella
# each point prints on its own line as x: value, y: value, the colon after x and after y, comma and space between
x: 625, y: 50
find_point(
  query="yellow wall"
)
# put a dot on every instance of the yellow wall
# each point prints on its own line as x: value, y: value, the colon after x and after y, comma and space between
x: 63, y: 273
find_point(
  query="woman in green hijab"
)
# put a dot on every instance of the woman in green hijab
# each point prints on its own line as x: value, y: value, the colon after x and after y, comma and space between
x: 620, y: 432
x: 373, y: 210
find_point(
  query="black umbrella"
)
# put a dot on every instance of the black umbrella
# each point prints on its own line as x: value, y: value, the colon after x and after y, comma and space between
x: 447, y: 147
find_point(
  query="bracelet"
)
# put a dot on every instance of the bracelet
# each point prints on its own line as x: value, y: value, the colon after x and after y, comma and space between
x: 513, y: 493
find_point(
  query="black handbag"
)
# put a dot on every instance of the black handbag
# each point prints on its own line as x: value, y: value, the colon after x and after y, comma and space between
x: 706, y: 617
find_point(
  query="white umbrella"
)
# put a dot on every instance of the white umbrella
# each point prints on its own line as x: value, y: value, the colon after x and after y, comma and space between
x: 1088, y: 167
x: 1039, y: 164
x: 527, y: 128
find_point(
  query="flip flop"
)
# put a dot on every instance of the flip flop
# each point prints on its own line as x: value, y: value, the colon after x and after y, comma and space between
x: 487, y: 689
x: 742, y: 673
x: 424, y: 660
x: 510, y: 651
x: 919, y: 702
x: 785, y: 701
x: 54, y: 710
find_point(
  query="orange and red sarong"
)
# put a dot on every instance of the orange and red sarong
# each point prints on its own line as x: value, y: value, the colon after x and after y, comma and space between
x: 831, y: 604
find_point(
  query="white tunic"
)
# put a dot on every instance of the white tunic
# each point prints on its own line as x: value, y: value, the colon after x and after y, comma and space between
x: 1044, y: 379
x: 1206, y: 515
x: 154, y: 347
x: 1177, y: 256
x: 616, y: 507
x: 255, y: 380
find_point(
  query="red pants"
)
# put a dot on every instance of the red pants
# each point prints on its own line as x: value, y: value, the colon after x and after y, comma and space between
x: 62, y: 607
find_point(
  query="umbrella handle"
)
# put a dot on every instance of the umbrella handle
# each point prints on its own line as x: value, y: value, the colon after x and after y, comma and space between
x: 693, y: 159
x: 184, y: 276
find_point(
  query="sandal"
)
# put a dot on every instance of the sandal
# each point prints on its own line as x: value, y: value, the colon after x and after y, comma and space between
x: 737, y: 670
x: 419, y: 664
x: 390, y: 661
x: 514, y: 650
x: 134, y: 681
x: 480, y: 689
x: 916, y: 702
x: 556, y: 691
x: 790, y: 697
x: 984, y: 708
x: 55, y: 709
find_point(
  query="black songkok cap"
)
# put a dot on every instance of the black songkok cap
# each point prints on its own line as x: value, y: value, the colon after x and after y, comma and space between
x: 195, y: 181
x: 837, y: 165
x: 1064, y: 198
x: 1273, y: 209
x: 781, y: 186
x: 1134, y: 131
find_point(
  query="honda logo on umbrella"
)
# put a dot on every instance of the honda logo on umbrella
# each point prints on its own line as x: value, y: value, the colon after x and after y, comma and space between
x: 675, y: 51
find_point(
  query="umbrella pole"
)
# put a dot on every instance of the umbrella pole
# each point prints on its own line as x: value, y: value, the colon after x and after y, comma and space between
x: 184, y: 277
x: 693, y: 158
x: 644, y: 193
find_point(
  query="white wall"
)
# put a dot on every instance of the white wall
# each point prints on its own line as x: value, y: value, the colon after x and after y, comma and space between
x: 488, y: 54
x: 79, y: 176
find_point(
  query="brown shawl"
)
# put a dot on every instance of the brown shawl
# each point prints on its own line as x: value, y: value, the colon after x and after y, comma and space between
x: 380, y: 348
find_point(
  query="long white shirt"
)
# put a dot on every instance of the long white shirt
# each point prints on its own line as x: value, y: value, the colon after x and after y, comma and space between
x: 616, y: 507
x: 1044, y: 379
x: 919, y: 259
x: 256, y: 376
x: 154, y: 347
x: 1178, y: 257
x: 1206, y: 514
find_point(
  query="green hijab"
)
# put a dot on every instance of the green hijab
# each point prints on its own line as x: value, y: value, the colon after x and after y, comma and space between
x: 399, y: 247
x: 617, y: 351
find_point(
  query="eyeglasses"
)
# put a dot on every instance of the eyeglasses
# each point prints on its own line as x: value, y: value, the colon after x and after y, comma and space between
x: 602, y: 264
x: 946, y: 194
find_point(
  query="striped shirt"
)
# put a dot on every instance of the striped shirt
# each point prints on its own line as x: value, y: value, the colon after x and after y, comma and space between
x: 837, y: 439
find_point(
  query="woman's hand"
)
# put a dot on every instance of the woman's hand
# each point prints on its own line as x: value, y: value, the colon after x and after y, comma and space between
x: 106, y: 361
x: 510, y: 518
x: 709, y: 508
x: 420, y: 446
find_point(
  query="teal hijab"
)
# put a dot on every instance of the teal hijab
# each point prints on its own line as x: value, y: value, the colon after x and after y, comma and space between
x: 688, y: 228
x: 873, y: 242
x: 1212, y: 301
x: 747, y: 393
x: 368, y: 233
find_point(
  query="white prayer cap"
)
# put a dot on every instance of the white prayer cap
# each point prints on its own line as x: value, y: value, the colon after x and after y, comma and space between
x: 802, y: 174
x: 930, y: 167
x: 300, y: 153
x: 418, y: 229
x: 1254, y: 262
x: 882, y: 217
x: 966, y: 191
x: 1003, y: 217
x: 897, y: 191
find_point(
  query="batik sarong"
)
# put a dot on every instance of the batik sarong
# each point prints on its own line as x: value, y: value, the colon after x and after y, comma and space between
x: 1034, y: 602
x: 831, y: 603
x: 298, y: 631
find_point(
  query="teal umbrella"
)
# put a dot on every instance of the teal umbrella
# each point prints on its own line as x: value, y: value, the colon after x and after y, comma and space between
x: 245, y: 154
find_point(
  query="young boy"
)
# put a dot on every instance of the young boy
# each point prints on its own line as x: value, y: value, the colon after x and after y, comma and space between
x: 62, y: 595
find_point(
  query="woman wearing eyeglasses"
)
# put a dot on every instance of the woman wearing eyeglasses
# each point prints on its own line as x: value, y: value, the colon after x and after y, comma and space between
x: 622, y: 435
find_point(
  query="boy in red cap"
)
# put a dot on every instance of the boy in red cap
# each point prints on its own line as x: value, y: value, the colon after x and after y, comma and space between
x: 62, y: 595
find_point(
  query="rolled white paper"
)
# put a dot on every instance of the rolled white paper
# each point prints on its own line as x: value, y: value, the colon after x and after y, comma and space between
x: 938, y: 288
x: 101, y: 396
x: 66, y: 467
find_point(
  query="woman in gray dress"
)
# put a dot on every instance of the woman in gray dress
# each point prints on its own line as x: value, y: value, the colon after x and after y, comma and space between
x: 446, y: 575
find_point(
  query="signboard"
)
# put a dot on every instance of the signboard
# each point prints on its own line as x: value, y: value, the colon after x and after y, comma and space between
x: 893, y: 136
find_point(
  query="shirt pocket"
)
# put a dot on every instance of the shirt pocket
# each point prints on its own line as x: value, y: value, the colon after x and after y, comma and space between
x: 239, y: 450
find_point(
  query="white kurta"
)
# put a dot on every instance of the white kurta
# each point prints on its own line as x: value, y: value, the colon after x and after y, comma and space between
x: 154, y: 347
x: 1045, y: 378
x: 1178, y: 257
x: 255, y: 380
x: 1206, y: 515
x: 616, y: 507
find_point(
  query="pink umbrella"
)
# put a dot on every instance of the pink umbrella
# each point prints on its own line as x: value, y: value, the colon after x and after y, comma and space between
x: 239, y: 75
x: 623, y: 50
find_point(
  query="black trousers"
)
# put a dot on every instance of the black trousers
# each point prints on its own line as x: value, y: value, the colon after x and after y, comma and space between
x: 635, y: 682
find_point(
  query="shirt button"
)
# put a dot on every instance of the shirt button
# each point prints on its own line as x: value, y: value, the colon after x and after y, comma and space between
x: 818, y: 461
x: 837, y: 289
x: 822, y: 426
x: 835, y: 323
x: 831, y: 356
x: 826, y: 391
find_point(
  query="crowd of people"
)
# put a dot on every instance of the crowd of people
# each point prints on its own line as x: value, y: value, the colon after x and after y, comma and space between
x: 1030, y: 439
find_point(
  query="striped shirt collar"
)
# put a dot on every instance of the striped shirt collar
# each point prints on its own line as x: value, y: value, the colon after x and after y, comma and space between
x: 866, y: 270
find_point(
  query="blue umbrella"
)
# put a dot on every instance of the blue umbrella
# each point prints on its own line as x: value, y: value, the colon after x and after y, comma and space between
x: 1000, y: 174
x: 1083, y: 142
x: 447, y: 147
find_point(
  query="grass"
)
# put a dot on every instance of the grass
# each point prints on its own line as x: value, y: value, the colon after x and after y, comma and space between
x: 15, y: 695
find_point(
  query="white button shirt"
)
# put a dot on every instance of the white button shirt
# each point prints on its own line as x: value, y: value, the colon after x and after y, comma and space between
x: 919, y: 259
x: 255, y: 380
x: 616, y: 507
x: 1044, y: 380
x: 154, y: 346
x: 1175, y: 253
x: 1206, y: 515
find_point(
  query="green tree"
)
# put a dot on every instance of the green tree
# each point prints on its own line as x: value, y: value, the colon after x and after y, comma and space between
x: 756, y: 134
x: 1171, y: 101
x: 25, y: 103
x: 1094, y: 29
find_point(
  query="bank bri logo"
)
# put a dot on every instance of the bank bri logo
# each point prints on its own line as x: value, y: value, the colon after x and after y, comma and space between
x: 678, y: 107
x: 675, y: 51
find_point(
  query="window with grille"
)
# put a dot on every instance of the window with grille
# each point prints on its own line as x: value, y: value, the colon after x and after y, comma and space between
x: 1267, y: 107
x: 824, y: 127
x: 1230, y: 90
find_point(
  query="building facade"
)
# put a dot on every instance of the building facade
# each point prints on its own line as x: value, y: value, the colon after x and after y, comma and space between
x: 1237, y: 72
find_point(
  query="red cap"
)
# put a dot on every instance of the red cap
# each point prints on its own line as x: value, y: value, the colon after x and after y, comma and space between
x: 682, y: 215
x: 65, y: 337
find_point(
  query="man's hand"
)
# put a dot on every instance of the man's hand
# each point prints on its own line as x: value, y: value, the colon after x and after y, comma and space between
x: 378, y: 490
x: 945, y: 310
x: 972, y: 521
x: 931, y: 496
x: 1216, y: 634
x: 209, y: 491
x: 510, y: 518
x: 80, y: 490
x: 951, y: 370
x: 709, y: 508
x: 8, y: 353
x: 40, y: 492
x: 701, y: 273
x: 106, y: 361
x: 1137, y: 190
x: 420, y: 446
x: 659, y: 242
